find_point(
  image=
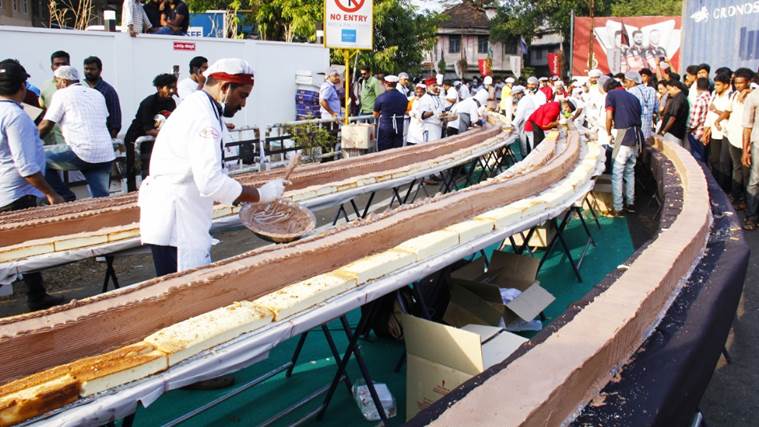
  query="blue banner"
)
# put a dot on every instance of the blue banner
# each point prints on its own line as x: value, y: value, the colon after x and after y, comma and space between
x: 721, y: 33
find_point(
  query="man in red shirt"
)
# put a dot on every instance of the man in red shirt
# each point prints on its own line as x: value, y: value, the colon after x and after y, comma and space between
x: 544, y: 118
x: 545, y: 87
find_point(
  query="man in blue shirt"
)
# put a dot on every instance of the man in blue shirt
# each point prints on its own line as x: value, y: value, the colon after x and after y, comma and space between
x: 93, y: 67
x: 623, y: 111
x: 22, y: 163
x: 329, y: 100
x: 389, y: 109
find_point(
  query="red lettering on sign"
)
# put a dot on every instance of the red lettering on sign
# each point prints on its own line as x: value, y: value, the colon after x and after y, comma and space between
x: 184, y: 46
x: 335, y: 16
x: 350, y: 6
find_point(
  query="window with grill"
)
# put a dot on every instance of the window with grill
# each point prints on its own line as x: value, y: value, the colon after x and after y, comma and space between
x: 482, y: 44
x: 454, y: 44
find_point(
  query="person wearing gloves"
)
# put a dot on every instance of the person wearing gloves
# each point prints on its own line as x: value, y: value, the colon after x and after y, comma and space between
x: 432, y: 107
x: 187, y: 173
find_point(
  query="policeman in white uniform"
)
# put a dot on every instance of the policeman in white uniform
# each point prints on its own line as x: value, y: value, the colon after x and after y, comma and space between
x: 187, y: 173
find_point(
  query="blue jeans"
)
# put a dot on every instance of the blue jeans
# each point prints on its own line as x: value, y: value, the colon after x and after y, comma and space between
x: 624, y: 167
x: 168, y: 31
x: 697, y: 148
x: 752, y: 188
x: 60, y: 157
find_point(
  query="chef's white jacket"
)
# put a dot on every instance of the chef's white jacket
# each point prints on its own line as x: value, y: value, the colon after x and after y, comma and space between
x: 433, y: 126
x: 186, y: 177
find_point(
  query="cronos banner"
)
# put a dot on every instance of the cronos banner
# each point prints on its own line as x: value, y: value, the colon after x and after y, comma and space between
x: 721, y: 33
x: 626, y: 43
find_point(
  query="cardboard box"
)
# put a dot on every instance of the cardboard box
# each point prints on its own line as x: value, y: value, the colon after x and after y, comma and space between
x: 440, y: 357
x: 540, y: 238
x: 600, y: 197
x: 357, y: 135
x: 476, y: 293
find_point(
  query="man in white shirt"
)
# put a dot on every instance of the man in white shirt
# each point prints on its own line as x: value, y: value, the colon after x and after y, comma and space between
x: 463, y: 115
x: 463, y: 90
x: 187, y: 174
x: 193, y: 83
x: 714, y: 135
x: 734, y: 133
x: 403, y: 84
x: 81, y: 113
x: 449, y: 94
x: 538, y: 97
x: 133, y: 18
x: 525, y: 107
x: 431, y: 107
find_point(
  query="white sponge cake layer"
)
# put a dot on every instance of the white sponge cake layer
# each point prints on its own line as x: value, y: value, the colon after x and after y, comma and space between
x: 189, y: 337
x: 306, y: 294
x: 378, y: 265
x: 429, y: 245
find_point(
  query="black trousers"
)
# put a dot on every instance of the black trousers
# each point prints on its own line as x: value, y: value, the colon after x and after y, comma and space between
x: 740, y: 173
x: 146, y: 149
x: 164, y: 259
x: 33, y: 281
x: 387, y: 138
x: 719, y: 162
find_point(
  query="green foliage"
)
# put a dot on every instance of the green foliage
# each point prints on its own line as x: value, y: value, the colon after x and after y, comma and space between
x: 525, y: 17
x: 401, y: 37
x: 441, y: 65
x: 647, y: 8
x: 311, y: 138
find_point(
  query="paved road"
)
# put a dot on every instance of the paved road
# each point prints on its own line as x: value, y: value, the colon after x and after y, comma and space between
x: 731, y: 398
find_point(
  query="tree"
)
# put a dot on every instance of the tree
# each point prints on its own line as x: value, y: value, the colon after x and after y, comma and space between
x: 647, y: 8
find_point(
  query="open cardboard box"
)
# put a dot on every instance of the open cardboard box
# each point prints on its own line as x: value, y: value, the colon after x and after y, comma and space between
x: 540, y: 238
x: 440, y: 357
x: 476, y: 293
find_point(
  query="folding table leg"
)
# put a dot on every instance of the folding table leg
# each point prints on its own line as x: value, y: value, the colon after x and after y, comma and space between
x: 592, y: 210
x: 336, y: 354
x: 560, y: 237
x: 110, y: 274
x: 340, y: 210
x: 584, y: 224
x: 351, y: 350
x: 296, y: 353
x: 368, y: 205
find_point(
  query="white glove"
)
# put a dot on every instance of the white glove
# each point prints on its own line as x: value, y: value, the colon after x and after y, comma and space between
x: 271, y: 191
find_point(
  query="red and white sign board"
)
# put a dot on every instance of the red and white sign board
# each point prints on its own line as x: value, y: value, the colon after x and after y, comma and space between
x: 348, y: 24
x: 184, y: 46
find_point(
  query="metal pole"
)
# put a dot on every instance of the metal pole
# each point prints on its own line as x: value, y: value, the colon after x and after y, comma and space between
x: 592, y: 26
x: 347, y: 57
x: 571, y: 40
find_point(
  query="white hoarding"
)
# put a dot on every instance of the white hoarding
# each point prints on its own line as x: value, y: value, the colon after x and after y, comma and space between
x: 348, y: 24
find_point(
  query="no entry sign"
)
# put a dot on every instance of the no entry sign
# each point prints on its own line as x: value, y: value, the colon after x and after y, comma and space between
x: 348, y: 24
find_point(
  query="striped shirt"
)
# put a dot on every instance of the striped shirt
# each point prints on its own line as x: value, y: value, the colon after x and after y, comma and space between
x: 133, y: 14
x: 82, y: 114
x: 698, y: 114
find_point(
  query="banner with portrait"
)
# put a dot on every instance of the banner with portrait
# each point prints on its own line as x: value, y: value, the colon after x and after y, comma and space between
x: 625, y: 43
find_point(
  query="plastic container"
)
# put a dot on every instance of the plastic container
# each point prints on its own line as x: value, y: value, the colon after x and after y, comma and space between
x: 363, y: 399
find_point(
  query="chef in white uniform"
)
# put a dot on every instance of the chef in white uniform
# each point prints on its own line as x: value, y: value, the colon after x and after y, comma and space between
x: 187, y: 173
x: 432, y: 107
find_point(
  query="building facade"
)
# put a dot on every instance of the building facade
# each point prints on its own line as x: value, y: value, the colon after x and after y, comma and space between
x: 463, y: 41
x: 16, y: 12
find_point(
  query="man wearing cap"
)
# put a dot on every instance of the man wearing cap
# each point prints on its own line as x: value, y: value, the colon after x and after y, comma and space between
x: 389, y: 110
x: 22, y: 163
x: 489, y: 90
x: 506, y: 99
x: 403, y: 84
x: 525, y: 107
x: 545, y: 87
x: 82, y: 114
x: 623, y: 113
x: 538, y: 97
x: 544, y: 118
x: 188, y: 175
x: 329, y: 100
x: 466, y: 114
x: 594, y: 103
x: 649, y: 103
x: 431, y: 112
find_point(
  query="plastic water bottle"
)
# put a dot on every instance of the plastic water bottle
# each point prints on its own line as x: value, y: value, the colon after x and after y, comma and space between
x: 365, y: 403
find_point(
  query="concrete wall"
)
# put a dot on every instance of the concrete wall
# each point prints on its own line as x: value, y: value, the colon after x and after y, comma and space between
x: 130, y: 64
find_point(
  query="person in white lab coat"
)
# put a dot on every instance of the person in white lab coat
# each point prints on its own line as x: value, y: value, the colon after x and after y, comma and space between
x: 187, y: 173
x: 525, y: 107
x: 415, y: 133
x: 432, y: 112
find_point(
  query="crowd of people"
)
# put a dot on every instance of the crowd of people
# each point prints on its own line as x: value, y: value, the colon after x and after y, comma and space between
x: 168, y: 17
x: 713, y: 115
x: 71, y: 125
